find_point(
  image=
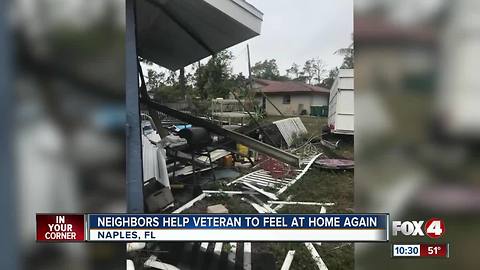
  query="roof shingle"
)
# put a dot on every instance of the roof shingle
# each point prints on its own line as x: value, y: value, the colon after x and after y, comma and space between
x: 269, y: 86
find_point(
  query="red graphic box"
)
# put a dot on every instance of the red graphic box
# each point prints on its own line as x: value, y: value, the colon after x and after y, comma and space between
x: 60, y: 227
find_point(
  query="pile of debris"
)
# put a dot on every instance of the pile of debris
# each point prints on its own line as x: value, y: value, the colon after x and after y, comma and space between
x: 189, y: 158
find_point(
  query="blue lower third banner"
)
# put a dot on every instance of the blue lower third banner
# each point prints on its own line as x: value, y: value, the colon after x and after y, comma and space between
x: 215, y: 227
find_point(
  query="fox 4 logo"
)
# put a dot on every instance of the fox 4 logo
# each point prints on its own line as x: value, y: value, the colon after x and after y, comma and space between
x: 434, y: 228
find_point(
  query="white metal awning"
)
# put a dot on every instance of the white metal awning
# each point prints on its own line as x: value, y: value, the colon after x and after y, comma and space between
x: 176, y: 33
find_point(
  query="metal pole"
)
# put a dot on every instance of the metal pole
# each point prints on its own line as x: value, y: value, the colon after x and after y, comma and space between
x: 249, y: 67
x: 261, y: 147
x: 133, y: 136
x: 253, y: 119
x: 153, y: 114
x: 181, y: 80
x: 271, y: 103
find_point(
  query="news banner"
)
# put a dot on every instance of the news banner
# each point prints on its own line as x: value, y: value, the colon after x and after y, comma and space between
x: 246, y: 227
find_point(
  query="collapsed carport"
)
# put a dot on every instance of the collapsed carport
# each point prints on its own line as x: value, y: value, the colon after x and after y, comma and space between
x: 174, y: 34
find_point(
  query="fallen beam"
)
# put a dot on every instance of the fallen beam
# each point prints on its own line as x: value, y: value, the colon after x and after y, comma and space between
x: 263, y: 184
x: 190, y: 203
x: 257, y: 207
x: 153, y: 263
x: 229, y: 192
x: 280, y: 206
x: 304, y: 170
x: 259, y: 190
x: 271, y: 103
x: 247, y: 256
x: 134, y: 246
x: 288, y: 260
x: 323, y: 210
x: 232, y: 252
x: 204, y: 246
x: 238, y: 137
x: 316, y: 257
x: 301, y: 203
x: 130, y: 265
x: 252, y: 118
x: 264, y: 205
x: 218, y: 248
x: 300, y: 175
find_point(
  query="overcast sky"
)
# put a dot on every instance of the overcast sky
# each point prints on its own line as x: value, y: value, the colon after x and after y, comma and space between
x: 294, y: 31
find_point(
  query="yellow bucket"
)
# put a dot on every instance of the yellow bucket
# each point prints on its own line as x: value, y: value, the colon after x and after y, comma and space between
x: 242, y: 149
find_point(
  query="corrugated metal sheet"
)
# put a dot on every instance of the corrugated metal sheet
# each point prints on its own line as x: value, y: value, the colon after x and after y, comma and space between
x: 154, y: 164
x: 290, y: 128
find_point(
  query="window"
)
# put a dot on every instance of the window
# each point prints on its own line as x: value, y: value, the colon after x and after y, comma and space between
x: 286, y: 99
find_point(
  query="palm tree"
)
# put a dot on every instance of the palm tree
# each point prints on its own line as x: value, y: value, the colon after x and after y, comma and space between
x: 347, y: 53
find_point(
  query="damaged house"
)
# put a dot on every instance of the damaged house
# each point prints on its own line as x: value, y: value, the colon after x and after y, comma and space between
x: 179, y: 162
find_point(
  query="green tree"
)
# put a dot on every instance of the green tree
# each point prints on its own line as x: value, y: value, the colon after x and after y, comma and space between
x: 294, y: 71
x: 268, y: 69
x: 172, y: 78
x: 164, y: 87
x: 154, y: 80
x: 241, y: 83
x: 319, y: 70
x: 328, y: 82
x: 348, y: 54
x: 214, y: 79
x: 313, y: 71
x: 308, y: 71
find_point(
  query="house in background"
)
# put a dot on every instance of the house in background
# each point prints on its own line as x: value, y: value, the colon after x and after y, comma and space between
x: 291, y: 97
